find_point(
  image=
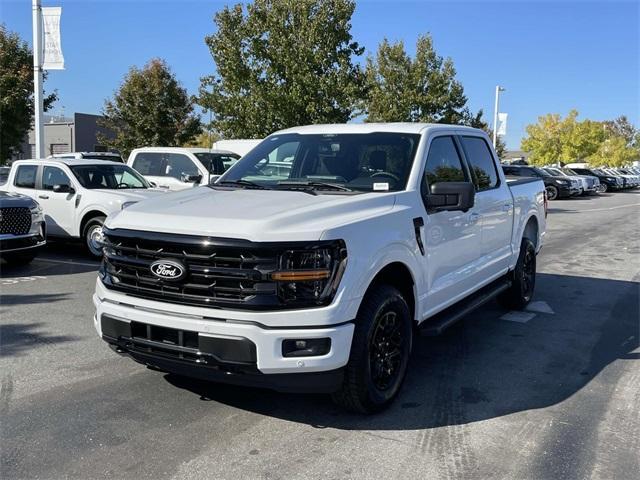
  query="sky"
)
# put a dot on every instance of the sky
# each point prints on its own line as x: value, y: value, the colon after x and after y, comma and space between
x: 551, y: 56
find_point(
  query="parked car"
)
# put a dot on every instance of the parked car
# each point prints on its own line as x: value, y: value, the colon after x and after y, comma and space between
x: 22, y: 228
x: 240, y: 146
x: 557, y: 186
x: 635, y: 178
x: 77, y: 195
x: 113, y: 157
x: 607, y: 181
x: 590, y: 184
x: 179, y: 168
x: 627, y: 181
x: 317, y: 280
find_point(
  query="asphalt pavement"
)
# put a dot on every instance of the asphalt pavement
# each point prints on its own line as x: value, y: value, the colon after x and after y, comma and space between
x: 552, y: 393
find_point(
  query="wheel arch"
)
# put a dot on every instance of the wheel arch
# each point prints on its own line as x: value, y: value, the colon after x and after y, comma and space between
x: 531, y: 230
x: 398, y: 275
x: 86, y: 217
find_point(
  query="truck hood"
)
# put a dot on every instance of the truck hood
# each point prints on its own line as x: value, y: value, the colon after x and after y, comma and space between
x: 257, y: 215
x: 130, y: 195
x: 11, y: 199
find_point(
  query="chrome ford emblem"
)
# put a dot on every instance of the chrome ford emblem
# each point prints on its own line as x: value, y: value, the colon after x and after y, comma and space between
x: 168, y: 269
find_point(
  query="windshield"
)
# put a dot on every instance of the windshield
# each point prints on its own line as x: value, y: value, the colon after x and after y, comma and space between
x: 330, y: 162
x: 542, y: 172
x: 568, y: 171
x: 108, y: 177
x: 217, y: 163
x: 555, y: 171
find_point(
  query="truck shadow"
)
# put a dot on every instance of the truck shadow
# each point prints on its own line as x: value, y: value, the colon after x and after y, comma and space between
x: 484, y: 367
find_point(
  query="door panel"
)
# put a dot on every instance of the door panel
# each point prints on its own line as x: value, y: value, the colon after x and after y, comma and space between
x: 59, y: 208
x: 494, y: 203
x: 452, y: 239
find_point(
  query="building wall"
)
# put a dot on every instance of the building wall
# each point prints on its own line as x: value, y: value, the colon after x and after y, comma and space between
x: 86, y: 133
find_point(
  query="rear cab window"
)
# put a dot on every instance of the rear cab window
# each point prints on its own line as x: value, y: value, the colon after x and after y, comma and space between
x: 26, y: 176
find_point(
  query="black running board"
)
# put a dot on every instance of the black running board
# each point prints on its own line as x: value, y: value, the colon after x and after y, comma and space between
x: 442, y: 320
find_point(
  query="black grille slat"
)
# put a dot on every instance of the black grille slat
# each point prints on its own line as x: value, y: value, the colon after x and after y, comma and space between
x: 15, y: 220
x: 216, y: 274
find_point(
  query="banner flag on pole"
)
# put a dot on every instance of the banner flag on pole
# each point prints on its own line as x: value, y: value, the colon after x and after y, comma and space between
x: 502, y: 124
x: 53, y: 59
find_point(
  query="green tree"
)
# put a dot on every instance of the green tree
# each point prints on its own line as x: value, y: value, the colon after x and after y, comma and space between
x: 476, y: 121
x: 614, y: 152
x: 281, y: 63
x: 422, y: 89
x: 16, y: 92
x: 150, y: 108
x: 203, y: 140
x: 622, y: 127
x: 554, y: 139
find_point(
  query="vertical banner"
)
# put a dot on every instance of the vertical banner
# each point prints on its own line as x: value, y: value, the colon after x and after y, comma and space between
x: 502, y: 124
x: 53, y: 59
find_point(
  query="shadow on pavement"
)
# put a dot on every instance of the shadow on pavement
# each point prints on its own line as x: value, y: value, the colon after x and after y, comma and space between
x: 11, y: 299
x: 483, y: 367
x: 20, y: 339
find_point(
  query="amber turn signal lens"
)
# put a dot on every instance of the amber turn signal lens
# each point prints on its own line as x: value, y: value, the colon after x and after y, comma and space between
x: 300, y: 275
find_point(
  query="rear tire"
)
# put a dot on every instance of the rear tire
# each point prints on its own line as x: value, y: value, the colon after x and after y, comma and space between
x: 552, y: 192
x: 523, y: 278
x: 379, y: 354
x: 93, y: 235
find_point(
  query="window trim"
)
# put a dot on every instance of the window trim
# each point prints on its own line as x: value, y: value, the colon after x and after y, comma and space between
x: 493, y: 158
x: 36, y: 180
x: 69, y: 176
x: 424, y: 186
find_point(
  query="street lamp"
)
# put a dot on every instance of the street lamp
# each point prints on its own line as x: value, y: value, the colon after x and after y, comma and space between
x: 495, y: 114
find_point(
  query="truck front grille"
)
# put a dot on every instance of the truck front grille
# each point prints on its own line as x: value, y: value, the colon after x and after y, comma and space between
x: 219, y: 272
x: 15, y: 220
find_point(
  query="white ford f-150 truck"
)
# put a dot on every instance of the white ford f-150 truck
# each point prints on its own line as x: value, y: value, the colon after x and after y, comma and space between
x: 317, y: 278
x: 77, y: 195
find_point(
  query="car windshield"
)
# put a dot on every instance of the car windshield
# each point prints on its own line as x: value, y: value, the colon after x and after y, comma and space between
x: 568, y: 171
x: 555, y: 171
x: 108, y: 177
x: 331, y: 163
x: 542, y: 172
x: 217, y: 163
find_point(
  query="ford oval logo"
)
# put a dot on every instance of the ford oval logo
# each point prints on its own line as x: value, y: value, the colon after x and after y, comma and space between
x: 168, y: 269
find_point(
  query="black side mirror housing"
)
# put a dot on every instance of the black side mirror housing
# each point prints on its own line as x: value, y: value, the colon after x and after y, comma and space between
x: 450, y: 196
x: 186, y: 178
x: 63, y: 188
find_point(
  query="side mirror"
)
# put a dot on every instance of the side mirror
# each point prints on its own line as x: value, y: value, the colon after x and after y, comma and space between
x: 63, y: 188
x: 186, y: 178
x: 450, y: 196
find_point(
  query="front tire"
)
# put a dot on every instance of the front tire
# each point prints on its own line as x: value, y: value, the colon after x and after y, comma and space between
x: 552, y: 192
x: 93, y: 236
x: 603, y: 188
x: 523, y: 278
x: 380, y: 350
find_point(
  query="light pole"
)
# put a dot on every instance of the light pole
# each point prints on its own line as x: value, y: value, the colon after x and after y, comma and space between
x: 495, y: 114
x: 37, y: 77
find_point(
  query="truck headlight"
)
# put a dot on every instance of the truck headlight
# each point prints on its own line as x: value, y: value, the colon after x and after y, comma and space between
x: 311, y: 275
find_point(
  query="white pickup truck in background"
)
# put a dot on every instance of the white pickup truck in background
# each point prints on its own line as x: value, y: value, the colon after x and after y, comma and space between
x: 315, y: 275
x: 77, y: 195
x: 177, y: 168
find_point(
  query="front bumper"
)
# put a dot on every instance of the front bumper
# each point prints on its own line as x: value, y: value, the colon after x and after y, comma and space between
x: 16, y: 243
x: 266, y: 367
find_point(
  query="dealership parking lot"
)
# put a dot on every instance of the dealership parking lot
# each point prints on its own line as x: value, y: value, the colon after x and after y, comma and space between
x: 552, y: 393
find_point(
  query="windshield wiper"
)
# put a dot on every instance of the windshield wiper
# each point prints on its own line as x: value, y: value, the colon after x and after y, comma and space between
x: 313, y: 185
x: 241, y: 183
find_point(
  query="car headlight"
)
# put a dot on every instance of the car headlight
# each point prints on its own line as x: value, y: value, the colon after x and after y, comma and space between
x: 311, y: 275
x: 126, y: 204
x: 562, y: 182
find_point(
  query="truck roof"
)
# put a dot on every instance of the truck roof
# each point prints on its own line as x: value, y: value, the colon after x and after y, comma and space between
x: 67, y: 161
x: 406, y: 127
x: 181, y: 150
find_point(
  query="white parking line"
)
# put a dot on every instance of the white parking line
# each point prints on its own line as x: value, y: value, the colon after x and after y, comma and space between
x: 610, y: 208
x: 519, y: 317
x: 68, y: 262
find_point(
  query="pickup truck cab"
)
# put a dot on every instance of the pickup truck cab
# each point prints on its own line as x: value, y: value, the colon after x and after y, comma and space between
x: 317, y: 277
x: 77, y: 195
x: 177, y: 168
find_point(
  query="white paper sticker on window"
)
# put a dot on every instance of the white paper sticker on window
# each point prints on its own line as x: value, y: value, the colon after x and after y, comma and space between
x: 381, y: 186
